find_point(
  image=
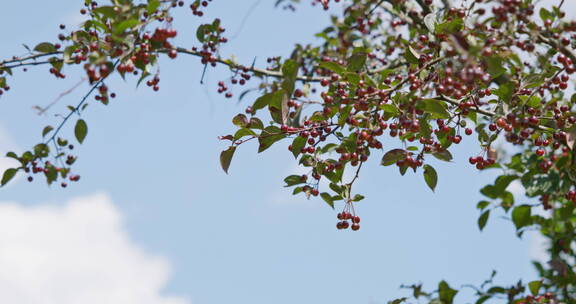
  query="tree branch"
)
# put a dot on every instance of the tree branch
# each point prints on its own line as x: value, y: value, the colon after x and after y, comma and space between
x: 77, y: 108
x: 22, y: 61
x: 5, y: 64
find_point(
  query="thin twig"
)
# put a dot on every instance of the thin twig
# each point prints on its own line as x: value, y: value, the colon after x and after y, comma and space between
x: 77, y: 108
x: 43, y: 110
x: 243, y: 22
x: 376, y: 6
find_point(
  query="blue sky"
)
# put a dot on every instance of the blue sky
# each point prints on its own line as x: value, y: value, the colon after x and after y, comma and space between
x: 150, y: 164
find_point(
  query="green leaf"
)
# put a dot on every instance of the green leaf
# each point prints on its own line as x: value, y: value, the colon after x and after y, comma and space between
x: 444, y: 155
x: 294, y: 180
x: 534, y: 80
x: 41, y: 150
x: 497, y: 289
x: 333, y: 66
x: 45, y: 47
x: 297, y: 190
x: 450, y: 27
x: 240, y: 120
x: 27, y: 156
x: 327, y: 198
x: 505, y: 91
x: 353, y: 78
x: 540, y: 184
x: 201, y: 32
x: 435, y: 107
x: 153, y: 6
x: 358, y: 197
x: 12, y: 155
x: 47, y: 130
x: 521, y: 216
x: 483, y: 299
x: 350, y: 143
x: 483, y: 219
x: 389, y: 108
x: 8, y: 175
x: 495, y: 66
x: 490, y: 191
x: 268, y: 137
x: 356, y: 62
x: 80, y: 130
x: 51, y: 174
x: 430, y: 176
x: 244, y: 132
x: 532, y: 101
x: 274, y: 98
x: 256, y: 123
x: 226, y: 158
x: 392, y: 156
x: 398, y: 301
x: 297, y: 145
x: 289, y: 71
x: 411, y: 55
x: 329, y: 147
x: 546, y: 14
x: 502, y: 182
x: 144, y: 75
x: 535, y: 287
x: 334, y: 177
x: 126, y: 24
x: 446, y: 293
x: 482, y: 205
x: 106, y: 11
x: 62, y: 142
x: 403, y: 169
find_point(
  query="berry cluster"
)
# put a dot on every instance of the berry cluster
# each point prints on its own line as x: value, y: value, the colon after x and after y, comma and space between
x: 197, y: 5
x: 545, y: 298
x: 104, y: 96
x: 348, y: 218
x: 32, y: 164
x: 325, y: 3
x: 244, y: 77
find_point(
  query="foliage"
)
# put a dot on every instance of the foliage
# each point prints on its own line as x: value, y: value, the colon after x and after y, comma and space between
x: 427, y: 73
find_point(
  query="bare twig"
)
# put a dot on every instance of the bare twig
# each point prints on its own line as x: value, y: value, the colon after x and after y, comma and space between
x: 77, y: 108
x: 246, y: 16
x: 376, y: 6
x: 42, y: 110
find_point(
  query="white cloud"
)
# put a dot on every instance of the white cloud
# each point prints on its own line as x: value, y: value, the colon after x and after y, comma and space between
x: 76, y: 253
